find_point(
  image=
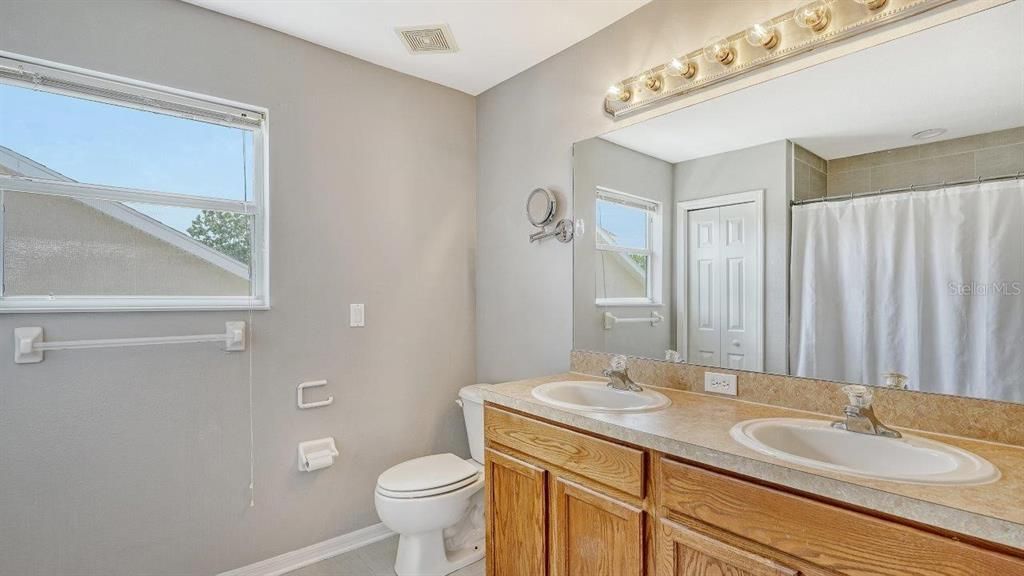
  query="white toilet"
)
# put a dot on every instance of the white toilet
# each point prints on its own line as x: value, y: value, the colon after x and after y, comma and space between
x: 436, y: 503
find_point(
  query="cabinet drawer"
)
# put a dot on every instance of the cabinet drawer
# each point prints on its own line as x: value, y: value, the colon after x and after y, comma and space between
x: 845, y: 541
x: 684, y: 552
x: 601, y: 461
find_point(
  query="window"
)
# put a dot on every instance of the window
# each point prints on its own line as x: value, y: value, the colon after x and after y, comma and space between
x: 628, y: 243
x: 122, y: 196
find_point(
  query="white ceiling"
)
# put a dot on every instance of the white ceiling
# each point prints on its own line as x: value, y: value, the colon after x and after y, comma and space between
x: 497, y: 39
x: 966, y: 76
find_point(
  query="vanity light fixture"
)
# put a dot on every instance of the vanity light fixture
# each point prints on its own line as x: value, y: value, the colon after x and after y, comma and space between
x: 872, y: 4
x: 764, y: 35
x: 619, y: 92
x: 685, y: 68
x: 814, y: 16
x: 815, y: 24
x: 720, y: 50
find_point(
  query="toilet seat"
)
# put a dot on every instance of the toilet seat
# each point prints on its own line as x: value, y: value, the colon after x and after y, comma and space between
x: 427, y: 476
x: 429, y: 492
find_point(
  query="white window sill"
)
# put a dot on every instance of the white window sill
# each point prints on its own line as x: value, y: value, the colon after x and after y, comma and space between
x: 22, y: 305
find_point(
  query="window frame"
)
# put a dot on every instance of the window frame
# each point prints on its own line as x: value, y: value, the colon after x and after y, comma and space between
x: 27, y: 72
x: 654, y: 250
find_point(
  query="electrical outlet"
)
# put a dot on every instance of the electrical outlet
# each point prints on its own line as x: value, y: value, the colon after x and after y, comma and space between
x: 720, y: 383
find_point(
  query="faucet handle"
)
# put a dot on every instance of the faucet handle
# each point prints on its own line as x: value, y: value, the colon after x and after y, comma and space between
x: 618, y: 363
x: 895, y: 380
x: 860, y: 396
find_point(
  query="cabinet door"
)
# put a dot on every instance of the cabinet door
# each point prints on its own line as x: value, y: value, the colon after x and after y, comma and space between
x: 593, y: 534
x: 683, y: 552
x: 516, y: 516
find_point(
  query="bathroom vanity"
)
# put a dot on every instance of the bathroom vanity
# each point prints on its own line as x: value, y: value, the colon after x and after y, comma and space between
x: 669, y: 493
x: 840, y: 238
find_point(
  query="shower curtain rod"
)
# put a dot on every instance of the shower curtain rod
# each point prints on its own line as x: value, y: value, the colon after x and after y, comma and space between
x: 914, y: 188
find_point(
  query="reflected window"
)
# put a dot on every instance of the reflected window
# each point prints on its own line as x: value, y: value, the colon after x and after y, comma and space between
x: 117, y: 196
x: 627, y: 248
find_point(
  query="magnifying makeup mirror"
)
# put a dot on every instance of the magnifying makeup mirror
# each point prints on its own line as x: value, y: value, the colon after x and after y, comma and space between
x: 541, y: 207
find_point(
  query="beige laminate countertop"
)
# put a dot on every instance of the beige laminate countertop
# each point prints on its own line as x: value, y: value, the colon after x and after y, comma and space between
x: 696, y: 427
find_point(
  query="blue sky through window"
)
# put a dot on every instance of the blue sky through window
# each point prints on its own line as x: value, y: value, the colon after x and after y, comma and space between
x: 626, y: 225
x: 98, y: 143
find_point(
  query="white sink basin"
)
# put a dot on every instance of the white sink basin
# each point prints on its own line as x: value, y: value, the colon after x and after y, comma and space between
x: 910, y: 459
x: 595, y: 396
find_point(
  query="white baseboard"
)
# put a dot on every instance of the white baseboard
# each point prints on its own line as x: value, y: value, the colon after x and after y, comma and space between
x: 314, y: 553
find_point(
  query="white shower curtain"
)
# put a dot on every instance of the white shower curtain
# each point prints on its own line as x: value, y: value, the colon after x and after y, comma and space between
x: 927, y: 284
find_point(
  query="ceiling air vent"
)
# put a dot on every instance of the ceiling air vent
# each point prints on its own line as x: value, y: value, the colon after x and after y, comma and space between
x: 428, y: 39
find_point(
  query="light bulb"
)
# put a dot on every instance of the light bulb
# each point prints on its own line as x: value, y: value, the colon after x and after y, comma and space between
x: 719, y: 50
x: 651, y: 81
x: 814, y: 16
x: 872, y: 4
x: 619, y: 92
x: 685, y: 68
x: 764, y: 35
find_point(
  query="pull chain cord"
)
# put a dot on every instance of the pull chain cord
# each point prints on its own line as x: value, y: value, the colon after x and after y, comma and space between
x: 249, y: 326
x: 252, y: 443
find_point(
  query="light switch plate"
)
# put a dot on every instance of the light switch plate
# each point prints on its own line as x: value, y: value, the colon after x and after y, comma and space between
x: 356, y: 316
x: 720, y: 383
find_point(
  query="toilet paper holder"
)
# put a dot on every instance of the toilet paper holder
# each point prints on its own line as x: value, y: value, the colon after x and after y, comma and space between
x: 306, y: 405
x: 317, y: 454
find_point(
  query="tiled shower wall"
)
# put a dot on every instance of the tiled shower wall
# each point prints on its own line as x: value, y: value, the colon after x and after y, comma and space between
x: 810, y: 174
x: 980, y: 156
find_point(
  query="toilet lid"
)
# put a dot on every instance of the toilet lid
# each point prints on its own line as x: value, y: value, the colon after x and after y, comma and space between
x: 427, y: 473
x: 472, y: 481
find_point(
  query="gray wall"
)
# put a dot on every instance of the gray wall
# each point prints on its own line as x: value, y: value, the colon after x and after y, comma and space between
x: 135, y: 461
x: 596, y: 163
x: 760, y: 167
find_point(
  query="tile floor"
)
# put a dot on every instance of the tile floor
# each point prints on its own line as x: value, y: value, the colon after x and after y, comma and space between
x: 377, y: 559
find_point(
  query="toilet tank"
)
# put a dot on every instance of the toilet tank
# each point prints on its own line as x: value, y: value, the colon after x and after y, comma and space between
x: 473, y: 413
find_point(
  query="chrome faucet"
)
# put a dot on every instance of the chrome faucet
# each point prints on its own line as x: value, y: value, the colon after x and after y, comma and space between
x: 618, y: 376
x: 860, y: 417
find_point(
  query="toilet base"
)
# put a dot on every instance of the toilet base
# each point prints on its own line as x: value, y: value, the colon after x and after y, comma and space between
x: 424, y: 554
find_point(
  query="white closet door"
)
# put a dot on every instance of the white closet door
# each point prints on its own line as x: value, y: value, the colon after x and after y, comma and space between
x: 738, y: 255
x: 722, y: 282
x: 704, y: 333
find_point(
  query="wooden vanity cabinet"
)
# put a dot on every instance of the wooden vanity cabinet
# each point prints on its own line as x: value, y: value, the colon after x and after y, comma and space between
x: 815, y: 536
x: 566, y: 503
x: 560, y: 502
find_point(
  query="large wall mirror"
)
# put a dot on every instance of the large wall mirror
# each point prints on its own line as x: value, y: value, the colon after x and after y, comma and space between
x: 859, y: 221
